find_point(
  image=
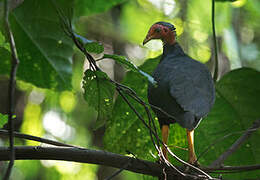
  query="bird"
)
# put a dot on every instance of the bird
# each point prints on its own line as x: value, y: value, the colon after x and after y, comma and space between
x: 184, y: 89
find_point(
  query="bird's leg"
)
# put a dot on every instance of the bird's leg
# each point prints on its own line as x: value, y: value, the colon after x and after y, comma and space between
x: 165, y: 134
x: 192, y: 155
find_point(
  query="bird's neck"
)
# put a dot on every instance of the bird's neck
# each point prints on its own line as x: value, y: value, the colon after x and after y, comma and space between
x: 172, y: 50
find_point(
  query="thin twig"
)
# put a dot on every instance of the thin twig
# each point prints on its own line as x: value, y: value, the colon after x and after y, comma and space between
x: 35, y: 138
x: 232, y: 169
x: 236, y: 145
x: 215, y: 76
x: 220, y: 140
x: 11, y: 88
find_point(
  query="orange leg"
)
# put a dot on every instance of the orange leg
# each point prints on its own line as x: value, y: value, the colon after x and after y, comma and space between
x: 165, y: 135
x: 192, y: 155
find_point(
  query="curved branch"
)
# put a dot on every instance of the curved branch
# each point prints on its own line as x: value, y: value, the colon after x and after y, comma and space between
x: 99, y: 157
x: 84, y: 156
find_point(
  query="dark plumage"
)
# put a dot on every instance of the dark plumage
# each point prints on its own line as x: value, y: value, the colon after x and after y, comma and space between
x: 185, y: 88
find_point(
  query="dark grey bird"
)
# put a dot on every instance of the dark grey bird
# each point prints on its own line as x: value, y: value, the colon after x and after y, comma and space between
x: 185, y: 88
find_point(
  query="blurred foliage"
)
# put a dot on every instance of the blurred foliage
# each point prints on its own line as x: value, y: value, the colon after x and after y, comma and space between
x: 59, y: 110
x: 91, y: 7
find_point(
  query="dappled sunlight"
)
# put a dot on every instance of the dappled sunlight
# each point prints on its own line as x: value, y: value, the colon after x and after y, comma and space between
x: 67, y: 101
x: 53, y: 123
x: 32, y: 122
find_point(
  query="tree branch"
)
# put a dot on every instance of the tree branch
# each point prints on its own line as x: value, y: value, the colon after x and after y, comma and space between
x: 84, y: 156
x: 99, y: 157
x: 236, y: 145
x: 11, y: 88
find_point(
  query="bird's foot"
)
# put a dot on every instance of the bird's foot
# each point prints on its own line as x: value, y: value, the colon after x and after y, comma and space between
x: 193, y: 160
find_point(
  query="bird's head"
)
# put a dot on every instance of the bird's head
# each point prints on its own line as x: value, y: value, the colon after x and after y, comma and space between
x: 161, y: 30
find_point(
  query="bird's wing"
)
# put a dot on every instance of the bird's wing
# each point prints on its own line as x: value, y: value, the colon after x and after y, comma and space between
x: 192, y: 86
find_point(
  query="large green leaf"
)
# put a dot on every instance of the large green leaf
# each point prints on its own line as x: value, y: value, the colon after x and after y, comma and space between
x: 44, y: 50
x: 235, y: 110
x: 98, y: 92
x: 238, y: 96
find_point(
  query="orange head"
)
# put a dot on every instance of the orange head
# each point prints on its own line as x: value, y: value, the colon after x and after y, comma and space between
x: 162, y: 30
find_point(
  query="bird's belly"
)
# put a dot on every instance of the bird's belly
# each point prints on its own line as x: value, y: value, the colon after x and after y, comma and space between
x: 160, y: 97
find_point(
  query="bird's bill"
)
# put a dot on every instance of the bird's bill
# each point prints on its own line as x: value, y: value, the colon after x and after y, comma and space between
x: 147, y: 39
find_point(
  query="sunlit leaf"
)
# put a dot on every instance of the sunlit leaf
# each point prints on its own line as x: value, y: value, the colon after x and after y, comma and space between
x: 3, y: 119
x: 43, y: 49
x: 98, y: 92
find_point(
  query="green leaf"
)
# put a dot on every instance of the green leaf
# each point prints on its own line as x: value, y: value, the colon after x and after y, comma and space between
x: 94, y: 47
x: 235, y: 109
x: 43, y: 49
x: 128, y: 65
x: 90, y: 46
x: 123, y: 61
x: 98, y: 92
x: 3, y: 119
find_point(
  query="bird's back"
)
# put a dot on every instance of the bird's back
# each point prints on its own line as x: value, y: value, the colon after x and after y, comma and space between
x: 185, y: 89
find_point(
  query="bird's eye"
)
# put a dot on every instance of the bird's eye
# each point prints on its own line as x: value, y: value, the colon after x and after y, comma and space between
x: 157, y: 30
